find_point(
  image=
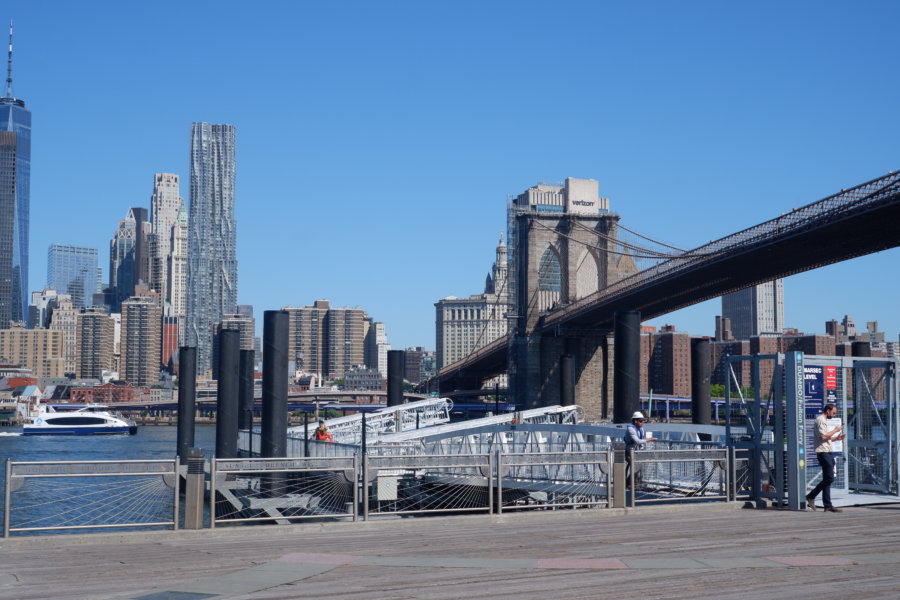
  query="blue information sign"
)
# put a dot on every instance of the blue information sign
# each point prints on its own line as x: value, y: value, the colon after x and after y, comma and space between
x: 814, y: 388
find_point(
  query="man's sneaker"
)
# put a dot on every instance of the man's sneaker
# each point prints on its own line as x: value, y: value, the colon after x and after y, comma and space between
x: 833, y: 509
x: 811, y: 503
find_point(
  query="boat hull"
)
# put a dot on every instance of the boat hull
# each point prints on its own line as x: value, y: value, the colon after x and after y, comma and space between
x: 124, y: 430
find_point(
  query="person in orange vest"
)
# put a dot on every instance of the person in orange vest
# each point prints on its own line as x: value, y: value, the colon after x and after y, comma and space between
x: 322, y: 434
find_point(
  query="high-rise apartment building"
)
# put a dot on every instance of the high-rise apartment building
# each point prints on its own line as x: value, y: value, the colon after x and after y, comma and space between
x: 346, y: 340
x: 418, y: 364
x: 326, y: 341
x: 166, y: 204
x: 757, y: 310
x: 176, y: 268
x: 377, y: 347
x: 73, y: 270
x: 239, y: 322
x: 15, y: 183
x: 722, y: 371
x: 141, y: 340
x: 306, y: 337
x: 64, y: 317
x: 95, y: 340
x: 212, y: 237
x: 40, y: 350
x: 246, y: 326
x: 670, y: 362
x: 170, y: 342
x: 463, y: 325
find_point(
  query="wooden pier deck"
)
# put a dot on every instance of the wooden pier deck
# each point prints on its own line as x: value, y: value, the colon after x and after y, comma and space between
x: 701, y: 551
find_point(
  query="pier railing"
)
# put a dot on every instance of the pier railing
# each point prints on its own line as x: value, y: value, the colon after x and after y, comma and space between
x: 282, y: 490
x: 686, y: 474
x: 554, y: 480
x: 428, y: 484
x: 90, y: 495
x: 44, y: 497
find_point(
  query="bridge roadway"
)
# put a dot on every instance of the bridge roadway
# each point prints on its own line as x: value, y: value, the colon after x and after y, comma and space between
x: 698, y: 551
x: 854, y: 222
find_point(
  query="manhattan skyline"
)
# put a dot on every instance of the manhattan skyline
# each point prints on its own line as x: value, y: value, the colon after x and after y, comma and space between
x: 379, y: 144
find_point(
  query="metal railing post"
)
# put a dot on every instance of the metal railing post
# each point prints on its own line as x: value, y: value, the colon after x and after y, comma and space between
x: 632, y: 495
x: 212, y: 492
x: 619, y: 478
x: 733, y: 473
x: 364, y: 486
x: 6, y: 498
x: 499, y: 483
x: 610, y: 480
x: 490, y: 483
x: 176, y: 493
x: 305, y: 434
x: 356, y: 472
x: 727, y: 475
x: 194, y: 488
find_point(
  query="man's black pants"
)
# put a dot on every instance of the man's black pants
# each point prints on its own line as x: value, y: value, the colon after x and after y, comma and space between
x: 826, y: 461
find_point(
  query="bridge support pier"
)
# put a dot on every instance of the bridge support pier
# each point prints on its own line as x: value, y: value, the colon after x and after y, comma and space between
x: 627, y: 365
x: 542, y: 360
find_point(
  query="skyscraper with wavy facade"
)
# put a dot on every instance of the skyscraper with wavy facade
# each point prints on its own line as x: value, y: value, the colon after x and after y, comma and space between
x: 212, y: 237
x: 15, y: 177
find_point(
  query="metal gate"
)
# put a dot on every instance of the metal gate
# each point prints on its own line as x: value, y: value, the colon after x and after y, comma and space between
x: 754, y: 420
x: 873, y: 427
x: 773, y: 423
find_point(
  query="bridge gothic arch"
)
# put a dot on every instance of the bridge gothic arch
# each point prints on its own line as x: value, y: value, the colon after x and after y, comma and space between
x: 587, y: 273
x: 550, y: 279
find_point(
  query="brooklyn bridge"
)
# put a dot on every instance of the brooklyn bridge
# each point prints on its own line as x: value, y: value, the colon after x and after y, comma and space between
x: 574, y: 317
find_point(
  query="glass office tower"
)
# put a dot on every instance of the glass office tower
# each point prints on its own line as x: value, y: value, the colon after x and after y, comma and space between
x: 73, y: 270
x: 212, y: 237
x: 15, y: 175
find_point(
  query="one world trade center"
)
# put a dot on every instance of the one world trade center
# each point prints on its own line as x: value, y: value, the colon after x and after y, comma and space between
x: 15, y: 175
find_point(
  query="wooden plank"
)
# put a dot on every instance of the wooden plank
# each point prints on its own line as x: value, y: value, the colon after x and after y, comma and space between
x: 675, y: 552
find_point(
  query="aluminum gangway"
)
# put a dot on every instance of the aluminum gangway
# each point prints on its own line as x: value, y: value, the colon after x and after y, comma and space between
x: 384, y: 421
x: 540, y: 430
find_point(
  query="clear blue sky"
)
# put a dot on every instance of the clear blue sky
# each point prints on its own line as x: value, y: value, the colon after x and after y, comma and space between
x: 378, y: 141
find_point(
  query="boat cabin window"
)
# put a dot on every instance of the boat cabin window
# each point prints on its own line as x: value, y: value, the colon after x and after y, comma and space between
x: 76, y: 421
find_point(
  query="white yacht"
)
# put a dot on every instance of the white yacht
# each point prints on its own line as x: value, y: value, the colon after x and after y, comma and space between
x: 93, y: 419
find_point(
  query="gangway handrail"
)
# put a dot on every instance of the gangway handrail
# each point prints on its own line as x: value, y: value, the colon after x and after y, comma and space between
x: 348, y: 429
x: 535, y: 415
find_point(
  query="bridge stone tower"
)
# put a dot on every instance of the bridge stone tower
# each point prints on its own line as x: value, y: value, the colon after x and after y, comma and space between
x: 562, y: 248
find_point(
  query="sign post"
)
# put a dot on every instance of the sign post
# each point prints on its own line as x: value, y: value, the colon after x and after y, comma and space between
x: 795, y: 409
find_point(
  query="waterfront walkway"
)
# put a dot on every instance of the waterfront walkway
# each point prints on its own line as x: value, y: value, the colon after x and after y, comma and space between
x: 701, y: 551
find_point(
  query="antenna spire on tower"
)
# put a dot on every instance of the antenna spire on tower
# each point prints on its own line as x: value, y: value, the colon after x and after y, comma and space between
x: 9, y: 65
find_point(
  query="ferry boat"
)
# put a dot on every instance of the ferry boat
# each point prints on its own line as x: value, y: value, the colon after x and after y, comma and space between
x: 94, y: 419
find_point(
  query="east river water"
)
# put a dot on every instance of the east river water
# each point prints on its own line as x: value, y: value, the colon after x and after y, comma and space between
x: 151, y: 442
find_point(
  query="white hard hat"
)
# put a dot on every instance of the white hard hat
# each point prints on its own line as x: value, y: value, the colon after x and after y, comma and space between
x: 637, y: 415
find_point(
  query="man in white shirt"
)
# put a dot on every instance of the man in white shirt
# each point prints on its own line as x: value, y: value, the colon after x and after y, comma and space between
x: 825, y: 435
